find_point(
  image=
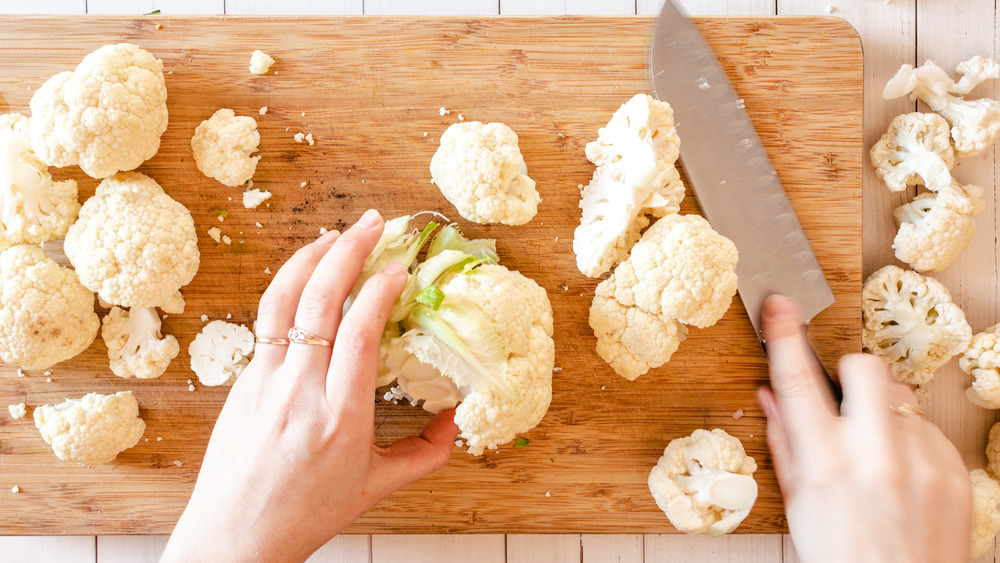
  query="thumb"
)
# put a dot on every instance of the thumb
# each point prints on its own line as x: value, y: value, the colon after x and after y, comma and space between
x: 416, y: 457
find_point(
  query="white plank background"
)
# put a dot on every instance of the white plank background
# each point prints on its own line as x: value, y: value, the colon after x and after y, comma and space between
x: 893, y: 32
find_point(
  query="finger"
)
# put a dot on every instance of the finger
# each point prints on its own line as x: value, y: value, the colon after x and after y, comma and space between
x: 416, y: 457
x: 322, y: 302
x: 777, y: 442
x: 350, y: 381
x: 865, y: 380
x: 276, y: 311
x: 797, y: 382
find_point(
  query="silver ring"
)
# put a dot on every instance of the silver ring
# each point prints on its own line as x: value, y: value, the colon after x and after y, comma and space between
x: 302, y: 336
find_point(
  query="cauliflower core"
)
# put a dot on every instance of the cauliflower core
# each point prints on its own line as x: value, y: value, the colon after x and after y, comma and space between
x: 260, y: 62
x: 92, y: 430
x: 982, y: 361
x: 46, y: 316
x: 911, y: 321
x: 220, y: 352
x: 135, y: 346
x: 222, y: 146
x: 680, y: 272
x: 916, y: 150
x: 635, y: 177
x: 985, y: 511
x: 33, y: 208
x: 107, y: 115
x: 936, y: 227
x: 704, y: 482
x: 133, y: 244
x: 480, y: 170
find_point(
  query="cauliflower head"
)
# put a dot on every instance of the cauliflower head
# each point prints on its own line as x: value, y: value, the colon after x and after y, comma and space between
x: 704, y: 482
x: 911, y: 321
x: 135, y: 346
x: 985, y: 511
x: 222, y: 145
x: 220, y: 352
x: 915, y: 150
x: 107, y: 115
x: 480, y: 170
x: 982, y: 361
x: 936, y: 227
x: 134, y: 245
x: 33, y: 208
x: 635, y: 155
x: 92, y: 430
x: 46, y: 316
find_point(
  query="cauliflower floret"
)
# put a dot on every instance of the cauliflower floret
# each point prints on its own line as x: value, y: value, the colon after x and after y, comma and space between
x: 133, y: 244
x: 92, y: 430
x: 33, y: 208
x: 975, y: 124
x: 936, y: 227
x: 680, y: 271
x: 253, y: 198
x: 985, y: 511
x: 704, y: 482
x: 260, y: 62
x: 222, y: 146
x: 46, y: 316
x: 480, y: 170
x: 107, y: 115
x: 135, y: 346
x: 915, y: 150
x: 635, y: 155
x: 982, y: 361
x: 910, y: 320
x: 220, y: 352
x: 174, y: 305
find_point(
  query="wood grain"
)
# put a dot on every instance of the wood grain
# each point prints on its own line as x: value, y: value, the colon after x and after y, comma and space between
x: 369, y: 92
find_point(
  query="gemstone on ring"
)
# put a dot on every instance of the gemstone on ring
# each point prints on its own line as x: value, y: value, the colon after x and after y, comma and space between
x: 302, y: 336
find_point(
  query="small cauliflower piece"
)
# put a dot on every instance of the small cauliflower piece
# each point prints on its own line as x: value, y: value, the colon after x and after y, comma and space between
x: 107, y: 115
x: 704, y: 482
x: 635, y: 155
x: 911, y: 321
x: 134, y: 245
x: 135, y: 346
x: 936, y: 227
x: 220, y: 352
x: 680, y: 271
x: 975, y: 124
x: 174, y: 305
x: 253, y: 198
x: 985, y: 511
x: 222, y: 146
x: 982, y: 361
x: 17, y: 411
x: 46, y: 315
x: 480, y: 170
x: 92, y: 430
x: 260, y: 62
x: 33, y: 208
x: 915, y: 150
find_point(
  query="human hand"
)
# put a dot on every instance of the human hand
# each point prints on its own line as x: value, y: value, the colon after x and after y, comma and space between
x: 292, y: 459
x: 870, y: 484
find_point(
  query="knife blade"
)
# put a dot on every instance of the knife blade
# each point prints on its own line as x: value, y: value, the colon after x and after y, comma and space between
x: 730, y: 173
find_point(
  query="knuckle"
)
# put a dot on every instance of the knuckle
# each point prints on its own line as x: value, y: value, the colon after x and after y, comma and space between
x: 319, y: 305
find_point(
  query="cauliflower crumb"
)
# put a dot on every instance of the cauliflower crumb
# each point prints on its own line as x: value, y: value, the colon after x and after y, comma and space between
x: 215, y: 233
x: 229, y: 316
x: 738, y: 414
x: 829, y: 8
x: 158, y: 26
x: 425, y: 133
x: 303, y: 184
x: 159, y: 438
x: 548, y: 493
x: 267, y: 271
x: 253, y: 198
x: 191, y: 387
x: 259, y: 225
x: 557, y: 369
x: 17, y: 411
x: 204, y: 318
x: 310, y: 140
x: 262, y: 111
x: 323, y: 231
x: 226, y: 239
x: 260, y: 62
x: 299, y: 137
x: 178, y: 463
x: 458, y: 443
x: 461, y: 117
x: 48, y: 380
x: 603, y: 387
x: 15, y: 489
x: 20, y: 372
x: 443, y: 112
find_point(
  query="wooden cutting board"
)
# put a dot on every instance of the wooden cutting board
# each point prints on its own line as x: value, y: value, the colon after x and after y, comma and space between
x: 369, y: 90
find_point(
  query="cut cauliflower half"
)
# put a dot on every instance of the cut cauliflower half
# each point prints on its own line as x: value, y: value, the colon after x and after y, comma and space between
x: 220, y: 352
x: 635, y: 155
x: 910, y: 320
x: 46, y: 315
x: 260, y: 62
x: 975, y: 124
x: 107, y: 115
x: 480, y: 170
x: 135, y: 346
x: 222, y: 146
x: 134, y: 245
x: 936, y: 227
x: 982, y: 361
x: 704, y: 482
x: 985, y: 511
x: 92, y: 430
x: 680, y: 272
x: 33, y: 208
x: 915, y: 150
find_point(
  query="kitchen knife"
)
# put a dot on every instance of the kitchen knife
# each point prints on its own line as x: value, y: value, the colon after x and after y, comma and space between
x: 730, y: 173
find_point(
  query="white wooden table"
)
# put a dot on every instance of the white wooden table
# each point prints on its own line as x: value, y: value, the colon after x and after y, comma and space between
x: 893, y: 32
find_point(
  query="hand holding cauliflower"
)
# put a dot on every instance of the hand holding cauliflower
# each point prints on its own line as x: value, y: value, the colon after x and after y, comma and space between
x: 92, y: 430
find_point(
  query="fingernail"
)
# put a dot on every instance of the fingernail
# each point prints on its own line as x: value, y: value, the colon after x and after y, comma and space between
x: 393, y: 269
x: 328, y: 236
x: 369, y: 219
x: 765, y: 402
x: 776, y: 306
